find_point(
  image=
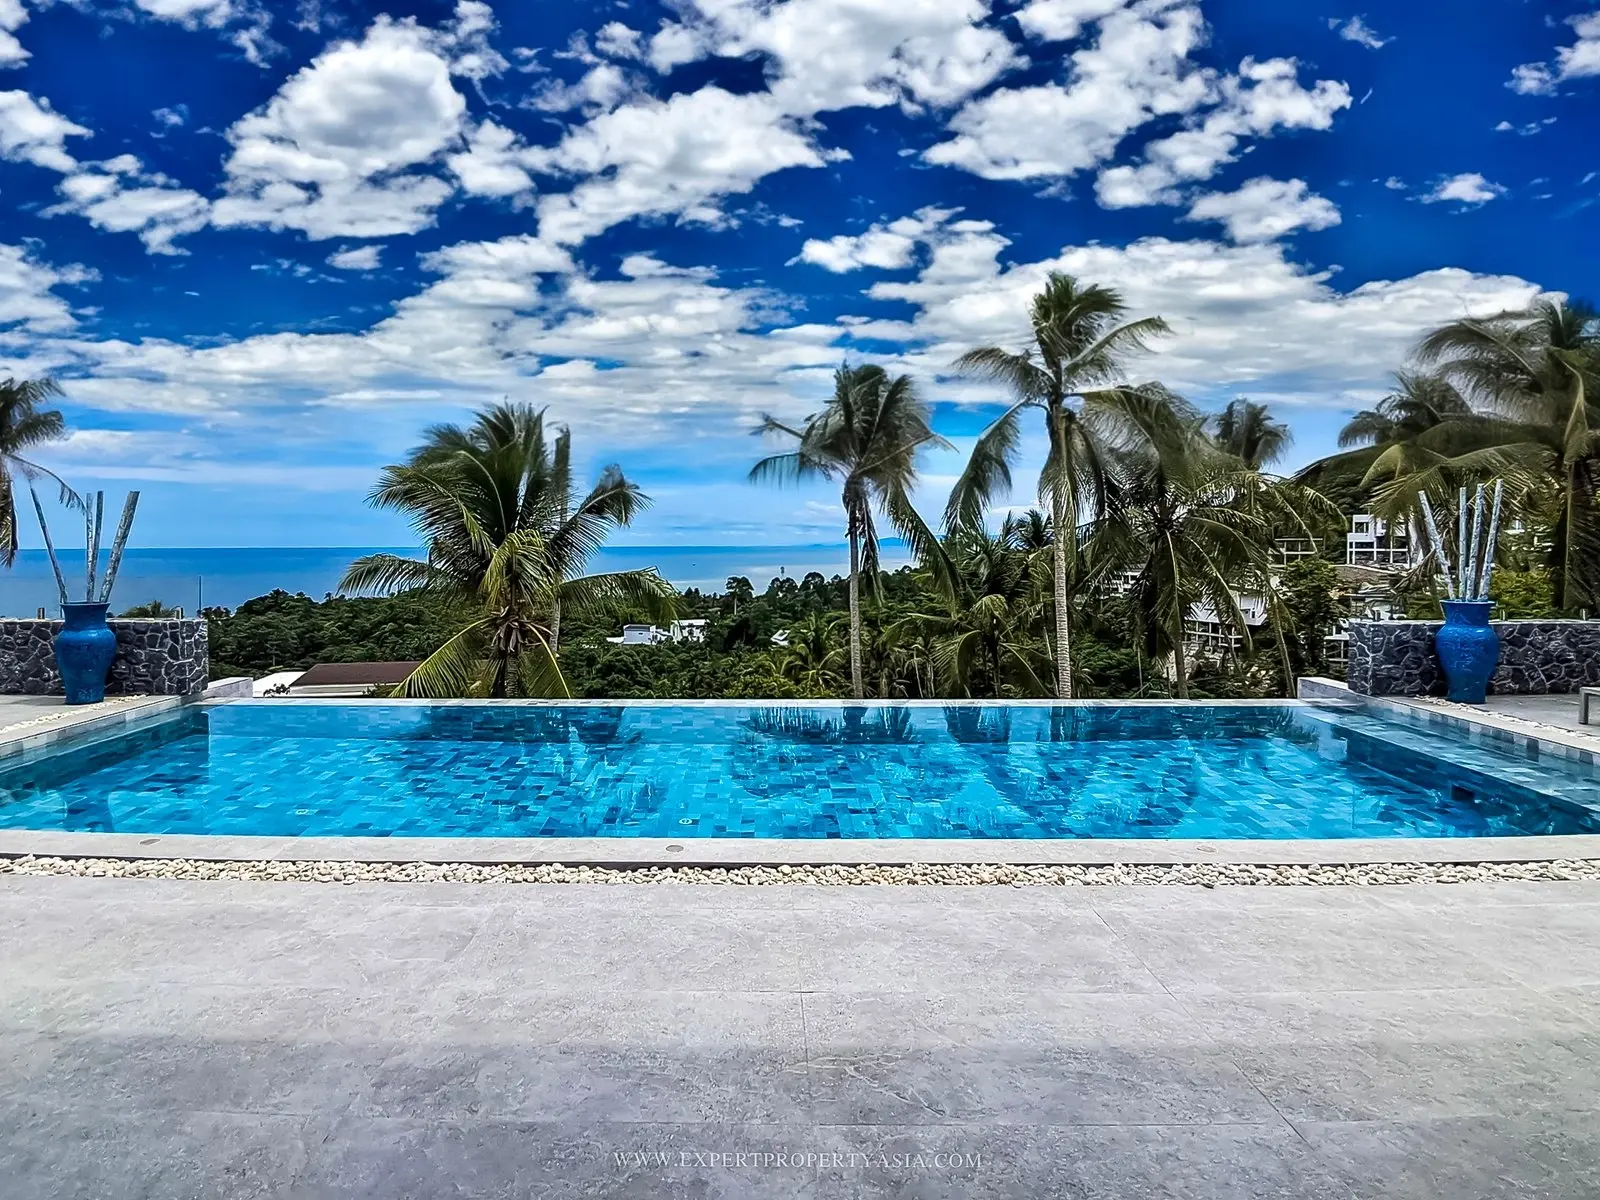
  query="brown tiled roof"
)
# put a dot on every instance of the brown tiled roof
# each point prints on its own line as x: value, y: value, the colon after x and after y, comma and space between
x: 367, y: 674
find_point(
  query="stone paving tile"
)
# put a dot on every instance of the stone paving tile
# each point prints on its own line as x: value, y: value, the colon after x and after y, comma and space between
x: 1119, y: 1162
x: 1351, y: 1056
x: 1549, y: 1156
x: 1475, y: 896
x: 927, y: 947
x: 98, y: 1154
x: 640, y: 1056
x: 1039, y: 1059
x: 1551, y: 945
x: 1244, y: 952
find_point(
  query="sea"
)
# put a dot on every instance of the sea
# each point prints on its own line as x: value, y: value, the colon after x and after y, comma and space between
x: 194, y: 578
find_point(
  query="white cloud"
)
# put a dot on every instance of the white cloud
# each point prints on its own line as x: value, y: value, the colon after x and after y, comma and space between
x: 492, y: 163
x: 357, y: 258
x: 338, y: 151
x: 619, y: 41
x: 1468, y: 188
x: 211, y: 11
x: 1242, y: 315
x: 32, y: 131
x: 12, y: 16
x: 674, y: 45
x: 1357, y: 30
x: 1579, y: 60
x: 1063, y: 20
x: 1526, y: 130
x: 672, y: 157
x: 1264, y: 209
x: 1395, y: 184
x: 1262, y: 98
x: 466, y: 40
x: 600, y: 88
x: 155, y: 209
x: 171, y: 118
x: 888, y: 247
x: 832, y: 54
x: 1137, y: 70
x: 27, y: 298
x: 639, y: 156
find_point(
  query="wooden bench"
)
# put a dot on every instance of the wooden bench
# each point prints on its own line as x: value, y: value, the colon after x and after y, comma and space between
x: 1588, y: 709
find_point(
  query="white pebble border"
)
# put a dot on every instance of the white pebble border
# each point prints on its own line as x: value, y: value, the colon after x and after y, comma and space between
x: 1197, y: 874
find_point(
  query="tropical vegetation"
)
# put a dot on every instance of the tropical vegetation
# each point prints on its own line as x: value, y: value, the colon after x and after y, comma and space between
x: 507, y: 536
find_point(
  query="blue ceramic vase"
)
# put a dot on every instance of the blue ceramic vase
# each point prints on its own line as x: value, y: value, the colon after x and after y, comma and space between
x: 1468, y: 648
x: 84, y: 650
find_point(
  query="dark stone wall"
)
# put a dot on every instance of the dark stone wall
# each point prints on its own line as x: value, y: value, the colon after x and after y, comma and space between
x: 1396, y: 658
x: 155, y: 657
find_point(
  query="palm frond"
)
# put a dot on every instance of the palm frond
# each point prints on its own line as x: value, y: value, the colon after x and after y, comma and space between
x: 643, y: 590
x: 381, y: 574
x: 454, y: 671
x: 1021, y: 375
x: 987, y: 475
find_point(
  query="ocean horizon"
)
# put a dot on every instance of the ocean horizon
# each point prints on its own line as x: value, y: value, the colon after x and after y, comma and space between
x: 227, y: 576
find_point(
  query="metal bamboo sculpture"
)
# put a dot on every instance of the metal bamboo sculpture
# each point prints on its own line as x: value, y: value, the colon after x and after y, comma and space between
x: 93, y: 526
x: 1469, y: 578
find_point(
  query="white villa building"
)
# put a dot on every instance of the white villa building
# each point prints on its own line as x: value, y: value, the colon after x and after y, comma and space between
x: 693, y: 630
x: 1372, y: 543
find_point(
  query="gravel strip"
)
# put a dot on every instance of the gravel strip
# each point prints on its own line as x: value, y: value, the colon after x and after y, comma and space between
x: 1197, y: 874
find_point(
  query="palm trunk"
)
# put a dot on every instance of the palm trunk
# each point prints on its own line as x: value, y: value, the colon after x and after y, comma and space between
x: 1283, y: 652
x: 1058, y: 547
x: 1180, y: 674
x: 856, y: 685
x: 555, y: 625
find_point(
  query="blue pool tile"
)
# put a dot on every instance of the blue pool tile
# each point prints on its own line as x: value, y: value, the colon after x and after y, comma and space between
x: 876, y: 771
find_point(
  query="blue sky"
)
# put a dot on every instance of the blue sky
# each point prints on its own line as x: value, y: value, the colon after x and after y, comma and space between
x: 263, y: 245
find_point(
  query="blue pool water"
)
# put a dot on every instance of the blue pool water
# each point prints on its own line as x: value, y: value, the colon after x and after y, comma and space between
x: 686, y: 771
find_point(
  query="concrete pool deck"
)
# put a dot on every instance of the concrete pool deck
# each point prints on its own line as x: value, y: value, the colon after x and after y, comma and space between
x: 164, y: 1038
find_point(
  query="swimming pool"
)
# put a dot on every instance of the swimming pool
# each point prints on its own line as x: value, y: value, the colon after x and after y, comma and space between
x: 286, y: 768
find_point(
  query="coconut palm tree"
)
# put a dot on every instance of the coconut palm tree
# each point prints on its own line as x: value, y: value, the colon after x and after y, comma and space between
x: 1079, y: 340
x: 1533, y: 380
x: 810, y: 656
x: 1193, y: 521
x: 1421, y: 401
x: 23, y: 426
x: 866, y: 440
x: 1248, y: 431
x: 506, y: 537
x: 988, y: 632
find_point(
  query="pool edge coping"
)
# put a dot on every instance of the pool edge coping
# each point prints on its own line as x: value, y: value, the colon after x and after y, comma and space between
x: 635, y: 853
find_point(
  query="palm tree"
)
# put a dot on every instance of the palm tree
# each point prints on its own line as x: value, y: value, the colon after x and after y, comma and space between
x: 1421, y: 401
x: 1248, y: 431
x: 866, y: 440
x: 1194, y: 522
x: 1533, y: 377
x: 988, y: 631
x: 24, y: 425
x: 507, y: 538
x: 810, y: 656
x: 1079, y: 339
